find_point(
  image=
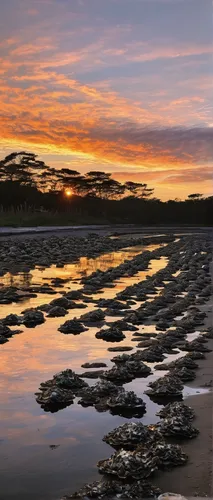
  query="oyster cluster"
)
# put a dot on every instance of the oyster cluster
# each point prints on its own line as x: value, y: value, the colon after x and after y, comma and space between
x: 105, y: 395
x: 142, y: 462
x: 73, y: 326
x: 129, y: 464
x: 93, y: 317
x: 168, y: 386
x: 127, y: 371
x: 60, y: 391
x: 32, y: 317
x: 98, y: 393
x: 54, y: 398
x: 178, y: 426
x: 177, y: 408
x: 112, y: 334
x: 132, y: 434
x: 126, y: 403
x: 109, y: 489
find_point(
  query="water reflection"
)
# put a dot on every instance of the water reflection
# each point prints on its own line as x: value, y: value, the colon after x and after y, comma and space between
x: 31, y: 465
x: 83, y: 267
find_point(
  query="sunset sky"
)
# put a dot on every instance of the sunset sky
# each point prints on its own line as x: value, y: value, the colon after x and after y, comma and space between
x: 124, y: 86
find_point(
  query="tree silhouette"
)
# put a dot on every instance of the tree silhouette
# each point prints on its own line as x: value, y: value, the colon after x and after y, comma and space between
x: 195, y: 196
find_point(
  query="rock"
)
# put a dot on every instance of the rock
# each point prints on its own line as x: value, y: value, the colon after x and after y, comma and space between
x: 129, y: 464
x: 194, y: 345
x: 178, y: 426
x: 12, y: 320
x: 184, y: 362
x: 114, y: 488
x: 67, y: 379
x: 195, y: 355
x: 120, y: 349
x: 99, y: 392
x: 62, y: 302
x: 177, y: 409
x: 94, y: 365
x: 54, y: 398
x: 72, y: 326
x: 168, y: 386
x: 169, y: 455
x: 57, y: 312
x: 33, y: 318
x: 118, y: 374
x: 121, y: 358
x: 5, y: 330
x: 110, y: 335
x: 3, y: 340
x: 44, y: 307
x: 150, y: 355
x: 184, y: 374
x: 126, y: 403
x: 96, y: 316
x: 132, y: 434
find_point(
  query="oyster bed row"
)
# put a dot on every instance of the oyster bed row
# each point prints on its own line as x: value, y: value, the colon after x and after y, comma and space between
x: 169, y: 300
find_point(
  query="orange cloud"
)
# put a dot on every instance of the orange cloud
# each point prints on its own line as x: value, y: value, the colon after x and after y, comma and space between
x: 54, y: 98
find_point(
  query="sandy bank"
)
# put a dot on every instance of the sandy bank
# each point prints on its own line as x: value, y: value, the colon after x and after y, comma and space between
x: 196, y: 478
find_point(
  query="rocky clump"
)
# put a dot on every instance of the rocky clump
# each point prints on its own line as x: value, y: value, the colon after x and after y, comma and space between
x: 178, y: 426
x: 167, y: 386
x: 94, y: 365
x: 126, y: 403
x: 12, y: 320
x: 128, y: 370
x: 112, y: 334
x: 114, y: 304
x: 151, y: 355
x: 177, y: 409
x: 118, y: 374
x: 184, y: 374
x: 129, y: 464
x: 130, y: 435
x: 93, y: 317
x: 62, y: 302
x: 32, y: 318
x: 57, y: 312
x: 72, y: 326
x: 121, y: 358
x: 194, y: 345
x: 195, y: 355
x: 122, y: 325
x: 54, y: 398
x: 110, y: 489
x: 142, y: 462
x: 184, y: 362
x: 60, y: 390
x: 98, y: 393
x: 169, y: 455
x: 120, y: 349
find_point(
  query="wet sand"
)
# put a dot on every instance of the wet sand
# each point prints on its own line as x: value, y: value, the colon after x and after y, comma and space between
x: 196, y: 478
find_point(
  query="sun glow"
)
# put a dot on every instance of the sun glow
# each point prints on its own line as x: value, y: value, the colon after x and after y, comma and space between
x: 68, y: 193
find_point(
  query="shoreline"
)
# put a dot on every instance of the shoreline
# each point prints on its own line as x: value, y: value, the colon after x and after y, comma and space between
x: 105, y: 229
x: 195, y: 479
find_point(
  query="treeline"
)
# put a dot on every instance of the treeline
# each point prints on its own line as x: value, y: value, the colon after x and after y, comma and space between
x: 27, y: 182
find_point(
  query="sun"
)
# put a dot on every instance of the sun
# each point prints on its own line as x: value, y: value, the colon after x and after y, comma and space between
x: 68, y: 193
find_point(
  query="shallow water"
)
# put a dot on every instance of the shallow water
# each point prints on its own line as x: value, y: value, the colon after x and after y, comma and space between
x: 44, y: 456
x: 29, y: 463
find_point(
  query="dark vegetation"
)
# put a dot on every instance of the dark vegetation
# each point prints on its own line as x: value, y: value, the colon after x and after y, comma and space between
x: 32, y: 193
